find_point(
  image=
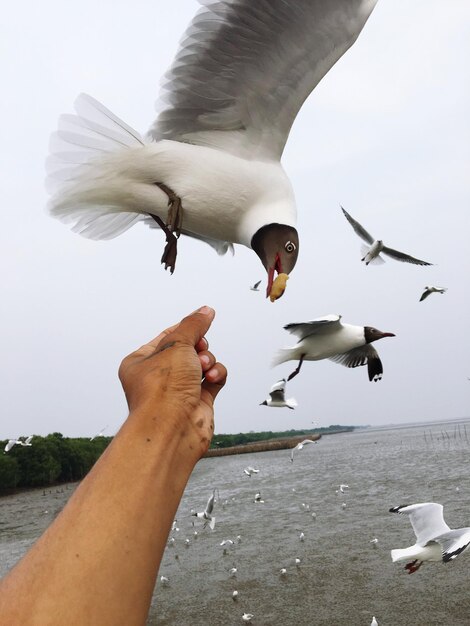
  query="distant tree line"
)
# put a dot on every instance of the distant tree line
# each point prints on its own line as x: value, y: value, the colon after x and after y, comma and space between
x: 226, y: 441
x: 57, y: 459
x: 50, y: 460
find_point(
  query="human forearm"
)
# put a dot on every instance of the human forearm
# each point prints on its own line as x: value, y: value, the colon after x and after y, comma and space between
x: 100, y: 557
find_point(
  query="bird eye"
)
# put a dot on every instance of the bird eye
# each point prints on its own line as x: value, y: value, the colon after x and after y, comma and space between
x: 290, y: 247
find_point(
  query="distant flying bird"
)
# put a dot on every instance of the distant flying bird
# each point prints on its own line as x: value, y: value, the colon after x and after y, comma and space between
x: 299, y: 446
x: 247, y: 617
x: 374, y: 542
x: 250, y: 470
x: 26, y: 442
x: 255, y: 286
x: 233, y: 572
x: 429, y: 290
x: 302, y: 537
x: 277, y: 396
x: 206, y: 515
x: 372, y: 252
x: 342, y: 488
x: 99, y: 434
x: 258, y: 498
x: 211, y: 166
x: 327, y: 338
x: 435, y: 541
x: 10, y: 444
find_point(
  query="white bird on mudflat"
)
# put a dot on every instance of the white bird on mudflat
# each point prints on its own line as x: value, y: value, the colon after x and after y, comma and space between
x: 374, y: 622
x: 372, y: 251
x: 250, y: 470
x: 235, y: 594
x: 302, y: 536
x: 206, y: 515
x: 255, y: 287
x: 233, y: 572
x: 435, y: 541
x: 247, y: 617
x: 327, y: 338
x: 11, y: 443
x: 165, y: 581
x: 211, y: 166
x: 277, y: 396
x: 299, y: 446
x: 429, y: 290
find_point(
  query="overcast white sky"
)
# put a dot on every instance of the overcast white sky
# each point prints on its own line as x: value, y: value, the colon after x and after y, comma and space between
x: 386, y: 134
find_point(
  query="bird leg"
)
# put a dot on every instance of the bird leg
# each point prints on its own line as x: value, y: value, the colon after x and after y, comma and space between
x: 413, y: 566
x: 172, y: 228
x: 297, y: 369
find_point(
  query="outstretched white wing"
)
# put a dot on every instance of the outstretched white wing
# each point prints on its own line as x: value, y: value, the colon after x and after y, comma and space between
x: 427, y: 520
x: 245, y: 67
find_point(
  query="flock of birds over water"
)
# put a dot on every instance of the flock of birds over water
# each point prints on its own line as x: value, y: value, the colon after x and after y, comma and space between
x: 210, y: 169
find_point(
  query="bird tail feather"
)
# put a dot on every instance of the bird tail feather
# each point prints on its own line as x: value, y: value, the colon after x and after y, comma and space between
x: 79, y: 164
x: 283, y: 355
x: 399, y: 554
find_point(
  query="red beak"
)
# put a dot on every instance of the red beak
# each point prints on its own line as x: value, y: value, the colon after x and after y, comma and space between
x: 276, y: 268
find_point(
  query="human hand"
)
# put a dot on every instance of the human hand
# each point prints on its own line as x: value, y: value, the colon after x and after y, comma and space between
x: 174, y: 380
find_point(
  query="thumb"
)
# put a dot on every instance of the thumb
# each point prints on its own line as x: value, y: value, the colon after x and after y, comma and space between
x: 193, y: 327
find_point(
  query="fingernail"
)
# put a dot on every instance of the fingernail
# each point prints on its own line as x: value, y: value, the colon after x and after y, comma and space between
x: 204, y: 359
x: 206, y: 310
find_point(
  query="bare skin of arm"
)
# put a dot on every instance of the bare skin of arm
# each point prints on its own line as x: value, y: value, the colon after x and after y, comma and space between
x: 97, y: 563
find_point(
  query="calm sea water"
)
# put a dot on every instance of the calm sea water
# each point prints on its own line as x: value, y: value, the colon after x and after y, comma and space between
x: 343, y: 579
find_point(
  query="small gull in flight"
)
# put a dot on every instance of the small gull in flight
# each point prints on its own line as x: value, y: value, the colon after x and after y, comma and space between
x: 250, y: 470
x: 164, y: 581
x: 277, y: 396
x: 430, y: 289
x: 233, y: 572
x: 206, y: 515
x: 255, y: 287
x: 327, y: 338
x: 435, y: 541
x: 299, y: 446
x: 11, y: 443
x: 100, y: 434
x: 26, y: 442
x: 258, y: 498
x: 372, y: 252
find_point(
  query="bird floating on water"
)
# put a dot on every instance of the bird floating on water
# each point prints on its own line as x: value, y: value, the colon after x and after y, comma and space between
x: 435, y: 541
x: 210, y: 168
x: 429, y: 290
x: 277, y: 396
x: 327, y: 338
x: 206, y: 515
x: 372, y: 251
x: 300, y: 446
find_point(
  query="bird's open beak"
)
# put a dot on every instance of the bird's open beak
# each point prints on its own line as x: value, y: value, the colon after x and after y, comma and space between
x: 276, y: 267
